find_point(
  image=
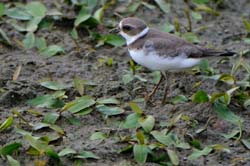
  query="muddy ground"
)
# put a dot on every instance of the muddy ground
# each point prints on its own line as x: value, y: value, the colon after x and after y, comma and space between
x: 223, y: 31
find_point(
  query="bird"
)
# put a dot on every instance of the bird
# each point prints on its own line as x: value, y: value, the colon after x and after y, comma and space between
x: 161, y: 51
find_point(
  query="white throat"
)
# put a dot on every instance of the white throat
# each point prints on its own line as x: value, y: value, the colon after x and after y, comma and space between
x: 131, y: 39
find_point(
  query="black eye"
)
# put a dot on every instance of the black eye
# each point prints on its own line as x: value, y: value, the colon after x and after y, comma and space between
x: 126, y: 27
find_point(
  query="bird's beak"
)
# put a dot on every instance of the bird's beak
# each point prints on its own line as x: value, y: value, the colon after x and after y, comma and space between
x: 115, y: 30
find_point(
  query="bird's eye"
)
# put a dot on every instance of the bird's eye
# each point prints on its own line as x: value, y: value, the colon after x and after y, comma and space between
x: 126, y: 27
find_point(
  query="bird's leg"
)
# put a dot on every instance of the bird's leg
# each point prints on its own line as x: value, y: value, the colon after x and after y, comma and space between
x: 148, y: 96
x: 165, y: 92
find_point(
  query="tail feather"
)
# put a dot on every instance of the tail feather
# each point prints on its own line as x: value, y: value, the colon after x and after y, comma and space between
x: 228, y: 53
x: 211, y: 52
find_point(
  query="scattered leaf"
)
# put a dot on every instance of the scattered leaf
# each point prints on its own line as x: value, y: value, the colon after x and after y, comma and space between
x: 51, y: 117
x: 12, y: 161
x: 53, y: 85
x: 82, y: 16
x: 10, y: 148
x: 36, y: 9
x: 108, y: 101
x: 87, y: 154
x: 132, y: 120
x: 79, y: 104
x: 7, y: 123
x: 198, y: 153
x: 246, y: 143
x: 52, y: 50
x: 179, y: 99
x: 200, y: 97
x: 29, y: 40
x: 135, y: 108
x: 163, y: 138
x: 98, y: 136
x: 173, y: 157
x: 147, y: 123
x: 140, y: 153
x: 46, y: 101
x: 66, y: 151
x: 5, y: 37
x: 164, y: 6
x: 108, y: 110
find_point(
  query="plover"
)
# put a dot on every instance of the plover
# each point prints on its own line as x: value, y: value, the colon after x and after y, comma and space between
x: 157, y: 50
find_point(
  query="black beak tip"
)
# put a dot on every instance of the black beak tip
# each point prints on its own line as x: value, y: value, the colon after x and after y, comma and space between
x: 115, y: 30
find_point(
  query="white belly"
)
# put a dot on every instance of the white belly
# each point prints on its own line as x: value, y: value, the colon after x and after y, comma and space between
x: 155, y: 62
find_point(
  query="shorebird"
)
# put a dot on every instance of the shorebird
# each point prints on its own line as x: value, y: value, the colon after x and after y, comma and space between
x: 157, y: 50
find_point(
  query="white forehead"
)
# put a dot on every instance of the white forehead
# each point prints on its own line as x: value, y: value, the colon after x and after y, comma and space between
x: 120, y: 24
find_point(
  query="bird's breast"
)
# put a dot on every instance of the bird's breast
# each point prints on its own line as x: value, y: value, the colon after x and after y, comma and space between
x: 153, y: 61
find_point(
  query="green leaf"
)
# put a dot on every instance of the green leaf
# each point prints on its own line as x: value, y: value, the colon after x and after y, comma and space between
x: 98, y: 136
x: 173, y: 157
x: 29, y: 40
x: 40, y: 43
x: 147, y: 123
x: 85, y: 111
x: 163, y: 138
x: 10, y: 148
x: 7, y: 123
x: 87, y: 154
x: 113, y: 40
x: 18, y: 13
x: 79, y: 85
x: 51, y: 117
x: 39, y: 126
x: 198, y: 153
x: 52, y: 154
x: 246, y: 40
x: 74, y: 121
x: 39, y: 145
x: 5, y: 37
x: 46, y: 101
x: 52, y: 50
x: 140, y: 137
x: 207, y: 9
x: 247, y: 103
x: 135, y: 107
x: 140, y: 153
x: 66, y: 151
x: 179, y: 99
x: 108, y: 101
x: 167, y: 27
x: 53, y: 85
x: 74, y: 34
x: 200, y: 97
x: 56, y: 128
x: 133, y: 7
x: 36, y: 9
x: 225, y: 114
x: 246, y: 143
x: 12, y: 161
x: 197, y: 16
x: 127, y: 78
x: 132, y: 120
x: 164, y: 6
x: 109, y: 110
x: 2, y: 9
x: 246, y: 24
x: 191, y: 37
x: 200, y: 1
x: 79, y: 104
x: 98, y: 15
x: 83, y: 15
x: 33, y: 24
